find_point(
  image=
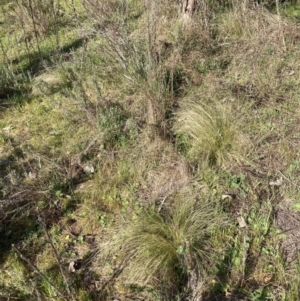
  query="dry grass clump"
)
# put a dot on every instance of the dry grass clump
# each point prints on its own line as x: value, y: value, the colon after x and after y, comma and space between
x: 37, y: 18
x: 255, y: 36
x: 248, y: 22
x: 212, y: 134
x: 262, y: 70
x: 112, y: 14
x: 112, y: 24
x: 165, y: 181
x: 172, y: 248
x: 142, y: 63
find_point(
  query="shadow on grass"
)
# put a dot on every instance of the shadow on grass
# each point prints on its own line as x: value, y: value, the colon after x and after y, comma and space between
x: 23, y: 203
x: 36, y: 61
x: 13, y: 293
x: 15, y: 85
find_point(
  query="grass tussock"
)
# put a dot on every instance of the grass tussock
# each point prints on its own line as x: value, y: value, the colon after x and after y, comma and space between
x: 263, y: 23
x: 169, y: 248
x: 213, y: 136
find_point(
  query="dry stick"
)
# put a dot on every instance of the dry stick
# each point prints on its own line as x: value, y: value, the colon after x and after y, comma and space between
x: 3, y: 51
x: 32, y: 13
x: 162, y: 203
x: 91, y: 144
x: 205, y: 12
x: 23, y: 27
x: 152, y: 7
x: 280, y: 25
x: 38, y: 271
x: 244, y: 230
x: 38, y: 295
x: 55, y: 16
x: 245, y: 234
x: 58, y: 260
x: 113, y: 44
x: 74, y: 9
x: 288, y: 179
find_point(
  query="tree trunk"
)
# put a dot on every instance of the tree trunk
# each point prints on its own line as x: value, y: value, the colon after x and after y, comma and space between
x: 187, y: 8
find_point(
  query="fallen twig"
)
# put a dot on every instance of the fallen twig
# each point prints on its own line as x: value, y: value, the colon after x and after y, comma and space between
x: 288, y: 179
x: 38, y: 271
x: 58, y: 260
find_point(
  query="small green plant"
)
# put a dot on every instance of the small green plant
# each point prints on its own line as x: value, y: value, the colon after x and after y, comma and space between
x: 259, y: 220
x: 262, y: 294
x: 111, y: 120
x: 212, y: 133
x: 204, y: 66
x: 12, y: 83
x: 294, y: 167
x: 168, y: 249
x: 14, y: 278
x: 292, y: 291
x: 237, y: 181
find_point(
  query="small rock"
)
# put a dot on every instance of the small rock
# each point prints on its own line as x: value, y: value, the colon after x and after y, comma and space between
x: 7, y: 128
x: 74, y: 266
x: 71, y: 267
x: 278, y: 182
x: 291, y: 73
x: 89, y: 169
x: 226, y: 196
x: 32, y: 175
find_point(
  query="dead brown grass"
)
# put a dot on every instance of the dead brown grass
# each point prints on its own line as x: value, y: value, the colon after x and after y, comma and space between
x: 262, y: 72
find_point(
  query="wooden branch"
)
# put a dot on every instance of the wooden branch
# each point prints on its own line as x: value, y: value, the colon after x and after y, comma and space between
x: 187, y: 9
x: 58, y: 260
x: 38, y: 271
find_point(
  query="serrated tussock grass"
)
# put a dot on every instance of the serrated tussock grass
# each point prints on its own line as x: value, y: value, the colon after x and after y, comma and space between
x: 213, y: 134
x: 166, y: 249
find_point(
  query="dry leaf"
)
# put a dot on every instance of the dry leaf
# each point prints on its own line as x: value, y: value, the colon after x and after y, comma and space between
x: 267, y: 279
x: 241, y: 222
